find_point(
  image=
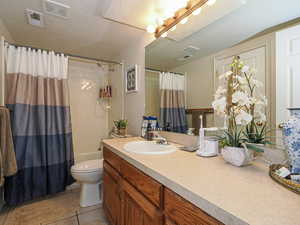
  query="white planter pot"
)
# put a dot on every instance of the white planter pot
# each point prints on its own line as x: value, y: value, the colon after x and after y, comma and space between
x: 237, y: 156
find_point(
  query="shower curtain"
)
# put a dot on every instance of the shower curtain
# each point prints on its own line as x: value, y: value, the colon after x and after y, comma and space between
x: 37, y: 96
x: 172, y: 102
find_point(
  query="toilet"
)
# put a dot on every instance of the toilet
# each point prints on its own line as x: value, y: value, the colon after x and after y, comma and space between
x: 89, y: 175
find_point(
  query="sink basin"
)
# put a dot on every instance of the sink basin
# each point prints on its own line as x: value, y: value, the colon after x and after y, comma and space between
x: 148, y: 148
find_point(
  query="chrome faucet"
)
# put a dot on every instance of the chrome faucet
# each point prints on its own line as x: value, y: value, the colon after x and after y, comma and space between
x: 161, y: 141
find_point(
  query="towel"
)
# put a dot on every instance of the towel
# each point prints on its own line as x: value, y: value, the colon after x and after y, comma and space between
x: 8, y: 164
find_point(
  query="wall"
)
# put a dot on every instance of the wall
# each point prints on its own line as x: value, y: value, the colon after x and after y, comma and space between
x: 89, y: 116
x: 134, y: 103
x: 4, y: 32
x: 117, y: 101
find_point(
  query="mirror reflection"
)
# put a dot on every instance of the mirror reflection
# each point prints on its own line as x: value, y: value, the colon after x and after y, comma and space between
x: 183, y: 69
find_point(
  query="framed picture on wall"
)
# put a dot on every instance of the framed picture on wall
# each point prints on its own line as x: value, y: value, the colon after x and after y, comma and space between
x: 131, y: 79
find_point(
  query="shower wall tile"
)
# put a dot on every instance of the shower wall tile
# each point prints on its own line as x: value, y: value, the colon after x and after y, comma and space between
x: 89, y: 115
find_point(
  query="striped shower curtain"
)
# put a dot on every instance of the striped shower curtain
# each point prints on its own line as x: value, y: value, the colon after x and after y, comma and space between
x: 172, y: 102
x: 37, y: 96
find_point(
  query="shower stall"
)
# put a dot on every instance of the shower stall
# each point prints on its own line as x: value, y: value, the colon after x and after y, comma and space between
x: 91, y: 118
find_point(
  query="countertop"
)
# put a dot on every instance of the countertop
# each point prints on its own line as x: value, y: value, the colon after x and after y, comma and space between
x: 233, y: 195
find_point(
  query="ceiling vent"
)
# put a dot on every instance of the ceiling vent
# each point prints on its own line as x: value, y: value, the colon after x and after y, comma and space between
x: 191, y: 50
x: 56, y: 9
x: 35, y: 18
x: 186, y: 57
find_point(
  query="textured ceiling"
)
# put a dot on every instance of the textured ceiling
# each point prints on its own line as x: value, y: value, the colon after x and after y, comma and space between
x: 85, y: 33
x: 250, y: 19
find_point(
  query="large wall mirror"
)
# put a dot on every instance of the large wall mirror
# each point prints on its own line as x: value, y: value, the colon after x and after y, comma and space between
x: 186, y: 64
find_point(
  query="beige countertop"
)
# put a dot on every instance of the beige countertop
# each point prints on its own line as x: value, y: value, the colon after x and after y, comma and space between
x: 233, y: 195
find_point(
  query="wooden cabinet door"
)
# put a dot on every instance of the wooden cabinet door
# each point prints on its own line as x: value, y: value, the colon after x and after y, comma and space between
x: 146, y: 185
x: 136, y: 209
x: 111, y: 194
x: 182, y: 212
x: 169, y: 222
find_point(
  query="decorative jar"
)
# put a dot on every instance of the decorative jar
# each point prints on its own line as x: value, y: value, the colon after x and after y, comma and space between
x: 291, y: 139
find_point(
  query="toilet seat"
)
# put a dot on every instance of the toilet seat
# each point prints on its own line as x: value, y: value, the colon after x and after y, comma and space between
x: 88, y: 166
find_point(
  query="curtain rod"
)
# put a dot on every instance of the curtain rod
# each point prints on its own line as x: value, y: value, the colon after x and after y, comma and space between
x: 66, y: 54
x: 159, y: 71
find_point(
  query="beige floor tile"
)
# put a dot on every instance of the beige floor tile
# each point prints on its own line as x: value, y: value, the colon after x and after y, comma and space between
x: 82, y: 210
x: 95, y: 217
x: 70, y: 221
x: 60, y: 209
x: 45, y: 211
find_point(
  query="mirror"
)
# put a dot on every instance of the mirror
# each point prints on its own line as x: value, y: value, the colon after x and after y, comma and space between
x: 191, y: 59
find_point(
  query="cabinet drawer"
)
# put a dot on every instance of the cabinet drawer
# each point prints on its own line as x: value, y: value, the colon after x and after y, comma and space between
x: 113, y: 159
x: 150, y: 188
x: 111, y: 171
x: 183, y: 212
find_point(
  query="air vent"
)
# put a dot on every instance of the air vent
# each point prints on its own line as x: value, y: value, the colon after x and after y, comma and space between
x: 56, y: 9
x: 191, y: 50
x: 35, y: 18
x: 186, y: 57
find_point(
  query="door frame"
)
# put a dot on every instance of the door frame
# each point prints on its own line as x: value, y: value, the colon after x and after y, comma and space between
x: 269, y: 42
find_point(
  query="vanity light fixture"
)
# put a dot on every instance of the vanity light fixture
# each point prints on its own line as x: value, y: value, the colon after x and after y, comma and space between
x: 164, y: 34
x: 151, y: 29
x: 173, y: 28
x: 211, y: 2
x: 197, y: 11
x: 180, y: 16
x: 184, y: 20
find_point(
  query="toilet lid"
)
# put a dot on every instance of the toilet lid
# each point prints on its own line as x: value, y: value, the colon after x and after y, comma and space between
x: 88, y: 166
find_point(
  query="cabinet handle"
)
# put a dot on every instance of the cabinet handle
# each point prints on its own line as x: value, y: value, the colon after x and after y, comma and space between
x: 281, y: 125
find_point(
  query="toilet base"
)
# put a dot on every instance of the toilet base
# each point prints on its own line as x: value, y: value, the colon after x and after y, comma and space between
x: 91, y: 194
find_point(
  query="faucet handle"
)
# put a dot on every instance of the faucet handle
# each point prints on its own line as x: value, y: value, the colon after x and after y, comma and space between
x: 161, y: 140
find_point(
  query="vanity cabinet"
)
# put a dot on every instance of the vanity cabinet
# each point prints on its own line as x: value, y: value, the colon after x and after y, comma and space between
x: 111, y: 194
x: 133, y: 198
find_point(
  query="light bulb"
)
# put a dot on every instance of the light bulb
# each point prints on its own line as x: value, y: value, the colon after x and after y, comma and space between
x: 180, y: 4
x: 197, y: 11
x: 173, y: 28
x: 211, y: 2
x: 183, y: 21
x: 168, y: 14
x: 164, y: 34
x: 159, y: 21
x: 151, y: 29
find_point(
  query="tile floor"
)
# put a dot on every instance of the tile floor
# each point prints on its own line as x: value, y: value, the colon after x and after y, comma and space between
x: 60, y: 209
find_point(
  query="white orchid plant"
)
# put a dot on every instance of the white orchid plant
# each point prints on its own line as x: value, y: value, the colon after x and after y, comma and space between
x: 242, y: 108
